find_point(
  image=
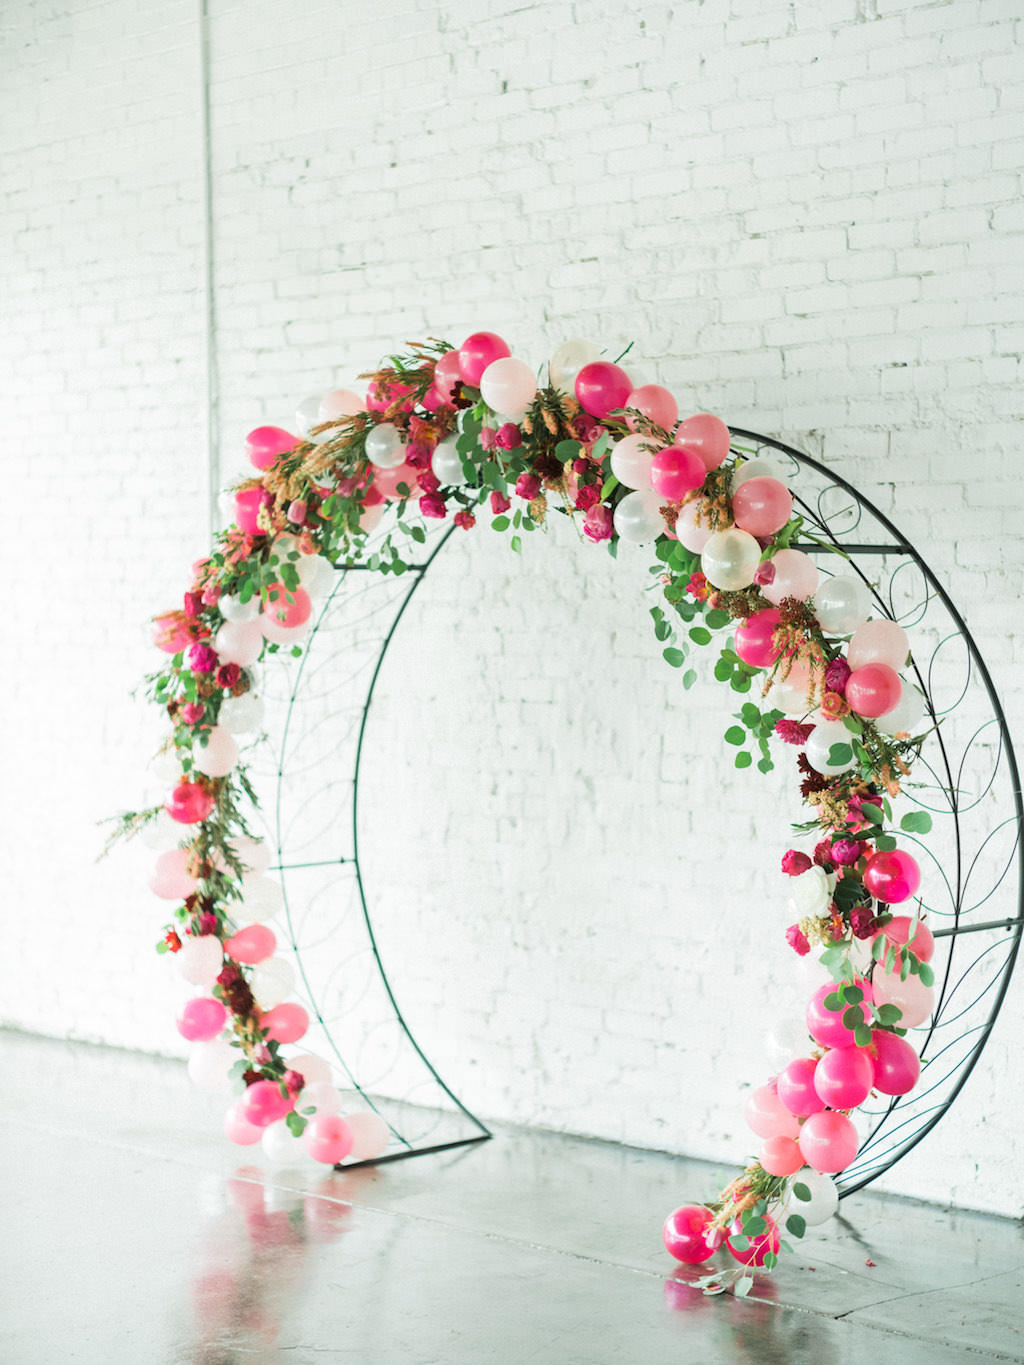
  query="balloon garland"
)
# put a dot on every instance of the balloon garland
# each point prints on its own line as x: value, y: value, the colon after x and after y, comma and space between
x: 460, y: 431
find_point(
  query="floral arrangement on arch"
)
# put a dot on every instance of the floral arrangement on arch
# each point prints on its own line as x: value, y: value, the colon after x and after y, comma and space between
x: 465, y: 432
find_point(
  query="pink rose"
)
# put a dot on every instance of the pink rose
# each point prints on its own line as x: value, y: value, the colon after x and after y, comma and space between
x: 499, y: 503
x: 509, y: 437
x: 588, y: 496
x: 797, y: 940
x: 297, y: 511
x: 417, y: 453
x: 433, y: 505
x: 193, y: 604
x: 487, y: 438
x: 202, y: 659
x: 211, y: 594
x: 429, y: 481
x: 837, y: 675
x: 764, y: 574
x: 794, y: 863
x: 528, y: 486
x: 597, y: 524
x: 845, y: 852
x: 192, y: 712
x: 465, y: 520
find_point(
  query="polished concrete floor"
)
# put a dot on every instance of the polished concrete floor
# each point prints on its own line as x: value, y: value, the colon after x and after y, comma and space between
x: 133, y: 1232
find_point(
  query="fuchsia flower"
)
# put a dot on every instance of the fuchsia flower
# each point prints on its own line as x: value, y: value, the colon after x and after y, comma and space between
x: 597, y: 524
x: 499, y: 503
x: 294, y: 1081
x: 764, y: 574
x: 487, y: 438
x: 192, y: 712
x: 528, y: 486
x: 793, y: 863
x: 417, y: 453
x: 509, y: 437
x: 297, y: 511
x: 588, y: 496
x: 845, y: 852
x: 698, y: 587
x: 797, y: 940
x: 193, y: 604
x: 792, y: 731
x: 202, y: 659
x: 465, y: 520
x: 429, y: 481
x: 433, y: 505
x: 837, y: 675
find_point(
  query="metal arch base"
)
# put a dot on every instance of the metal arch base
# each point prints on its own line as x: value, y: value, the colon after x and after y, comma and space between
x: 904, y: 1121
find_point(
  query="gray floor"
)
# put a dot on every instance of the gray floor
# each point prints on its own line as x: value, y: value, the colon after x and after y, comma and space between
x: 133, y: 1232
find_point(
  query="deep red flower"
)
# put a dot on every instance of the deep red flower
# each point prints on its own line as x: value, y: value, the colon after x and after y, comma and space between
x: 429, y: 481
x: 588, y: 496
x: 794, y: 863
x: 433, y: 505
x: 862, y: 922
x: 792, y: 731
x: 228, y: 675
x: 528, y: 486
x: 499, y: 503
x: 465, y: 520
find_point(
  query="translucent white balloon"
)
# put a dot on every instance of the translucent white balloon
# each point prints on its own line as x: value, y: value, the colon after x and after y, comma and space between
x: 787, y: 1040
x: 819, y: 744
x: 218, y: 755
x: 789, y: 697
x: 758, y: 469
x: 730, y: 559
x: 446, y: 463
x: 841, y: 604
x: 239, y: 642
x: 322, y: 1096
x: 508, y: 386
x: 234, y: 609
x: 200, y: 960
x: 209, y: 1064
x: 384, y: 446
x: 631, y: 461
x: 906, y: 716
x: 370, y: 1135
x: 282, y: 1147
x: 638, y: 518
x: 316, y: 574
x: 307, y: 414
x: 262, y: 899
x: 314, y: 1070
x: 165, y: 767
x: 240, y: 714
x: 254, y: 854
x: 824, y: 1200
x: 568, y: 360
x: 339, y: 403
x: 161, y: 833
x: 689, y: 533
x: 272, y: 982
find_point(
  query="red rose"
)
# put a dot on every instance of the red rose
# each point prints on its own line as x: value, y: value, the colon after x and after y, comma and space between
x: 794, y: 863
x: 465, y: 520
x: 588, y: 496
x: 528, y: 486
x: 509, y: 437
x: 228, y: 675
x: 433, y: 505
x: 499, y: 503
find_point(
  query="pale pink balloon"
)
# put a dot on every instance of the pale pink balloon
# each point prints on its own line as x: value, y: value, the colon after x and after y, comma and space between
x: 285, y: 1023
x: 447, y: 375
x: 828, y: 1141
x: 171, y: 879
x: 631, y: 460
x: 913, y: 997
x: 328, y: 1138
x: 239, y: 642
x: 218, y: 755
x: 263, y: 1103
x: 239, y: 1130
x: 781, y: 1156
x: 255, y: 943
x: 873, y: 689
x: 825, y: 1025
x: 796, y: 1087
x: 248, y: 502
x: 796, y: 575
x: 201, y: 1019
x: 657, y: 404
x: 339, y: 403
x: 386, y: 481
x: 508, y: 386
x: 707, y: 435
x: 477, y: 352
x: 844, y: 1077
x: 767, y: 1116
x: 922, y: 945
x: 879, y: 641
x: 689, y: 534
x: 284, y: 612
x: 762, y: 506
x: 602, y: 387
x: 897, y: 1065
x: 319, y: 1095
x: 265, y: 444
x: 675, y: 472
x: 312, y: 1069
x: 754, y: 638
x: 171, y: 634
x: 370, y: 1135
x: 200, y: 959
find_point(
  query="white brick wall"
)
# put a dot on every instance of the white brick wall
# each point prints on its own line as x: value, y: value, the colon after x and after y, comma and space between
x: 806, y: 218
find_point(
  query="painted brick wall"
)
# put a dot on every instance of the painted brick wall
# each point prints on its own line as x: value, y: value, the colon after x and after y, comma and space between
x: 805, y: 218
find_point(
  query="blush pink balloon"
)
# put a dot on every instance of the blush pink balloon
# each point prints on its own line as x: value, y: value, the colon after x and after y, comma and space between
x: 238, y: 1129
x: 844, y: 1077
x: 796, y: 575
x: 762, y: 506
x: 781, y: 1156
x: 285, y: 613
x: 386, y: 481
x: 602, y: 388
x: 707, y: 435
x: 370, y: 1134
x: 828, y: 1141
x: 327, y: 1138
x: 676, y: 472
x: 263, y: 1103
x: 796, y: 1087
x: 189, y: 803
x: 892, y: 876
x: 250, y: 945
x: 754, y: 638
x: 657, y: 404
x: 879, y: 641
x: 171, y: 879
x: 922, y: 945
x: 826, y: 1026
x: 767, y: 1116
x: 248, y: 502
x: 688, y: 533
x: 201, y: 1019
x: 477, y: 352
x: 873, y: 689
x: 897, y: 1065
x: 447, y: 375
x: 285, y: 1023
x: 171, y: 634
x: 265, y: 444
x: 686, y: 1234
x: 912, y: 997
x: 757, y: 1247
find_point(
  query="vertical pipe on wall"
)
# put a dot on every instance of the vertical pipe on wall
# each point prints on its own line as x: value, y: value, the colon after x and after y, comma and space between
x: 210, y: 369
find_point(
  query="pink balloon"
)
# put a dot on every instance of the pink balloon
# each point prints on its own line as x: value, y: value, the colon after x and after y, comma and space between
x: 686, y: 1234
x: 922, y: 945
x: 283, y: 612
x: 873, y: 689
x: 339, y: 403
x: 912, y: 997
x: 386, y: 481
x: 675, y: 472
x: 285, y: 1023
x: 796, y: 575
x: 767, y: 1116
x: 263, y: 1103
x: 201, y: 1019
x: 171, y: 879
x: 762, y: 506
x: 171, y: 634
x: 238, y: 1129
x: 602, y: 388
x: 707, y: 435
x: 248, y: 502
x: 447, y: 375
x: 253, y: 944
x: 826, y: 1026
x: 189, y: 803
x: 828, y: 1141
x: 758, y: 1247
x: 370, y: 1134
x: 657, y: 405
x: 897, y: 1065
x: 796, y: 1087
x: 477, y: 352
x: 892, y: 876
x: 754, y: 638
x: 688, y: 533
x: 844, y: 1077
x: 265, y: 444
x: 327, y: 1138
x: 377, y: 401
x: 781, y: 1156
x: 880, y: 641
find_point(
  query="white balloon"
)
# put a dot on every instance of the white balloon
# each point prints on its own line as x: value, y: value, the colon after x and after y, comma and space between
x: 234, y: 609
x: 253, y: 853
x: 384, y: 446
x: 841, y: 604
x: 339, y: 403
x: 200, y: 960
x: 631, y: 461
x: 567, y: 361
x: 165, y: 767
x: 819, y: 744
x: 446, y: 463
x: 307, y: 414
x: 161, y: 833
x: 638, y: 518
x: 218, y: 755
x: 508, y: 386
x: 282, y: 1147
x: 824, y: 1200
x: 262, y: 899
x: 316, y: 574
x: 279, y: 634
x: 789, y: 697
x: 787, y: 1039
x: 239, y: 714
x: 906, y: 715
x: 690, y: 534
x: 209, y: 1064
x: 758, y: 469
x: 730, y: 559
x: 239, y: 642
x: 272, y: 982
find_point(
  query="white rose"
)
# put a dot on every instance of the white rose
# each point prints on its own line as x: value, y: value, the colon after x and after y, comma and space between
x: 811, y: 893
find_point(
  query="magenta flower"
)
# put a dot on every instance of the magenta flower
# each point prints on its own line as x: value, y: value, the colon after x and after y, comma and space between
x: 528, y: 486
x: 797, y: 940
x: 836, y: 676
x: 509, y: 437
x: 193, y: 604
x: 465, y: 520
x: 794, y: 863
x: 202, y: 659
x: 429, y: 481
x: 792, y: 731
x: 597, y: 524
x: 588, y: 496
x: 499, y: 503
x: 192, y: 712
x: 433, y: 505
x: 845, y: 852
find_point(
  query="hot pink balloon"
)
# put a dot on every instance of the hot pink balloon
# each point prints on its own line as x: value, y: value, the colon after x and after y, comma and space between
x: 892, y: 876
x: 171, y: 634
x: 758, y: 1247
x: 880, y: 641
x: 686, y: 1234
x: 762, y: 506
x: 284, y: 612
x: 707, y: 435
x: 253, y: 944
x: 754, y: 638
x: 447, y: 375
x: 265, y: 444
x: 922, y: 945
x: 873, y: 689
x: 189, y: 803
x: 171, y: 879
x: 796, y: 1087
x: 386, y: 481
x: 912, y: 997
x: 825, y: 1025
x: 477, y: 352
x: 844, y: 1077
x: 285, y: 1023
x: 263, y: 1103
x: 327, y: 1138
x: 657, y: 404
x: 781, y: 1156
x: 248, y: 502
x: 201, y: 1019
x: 767, y: 1116
x: 675, y: 472
x: 897, y: 1065
x: 377, y: 401
x: 691, y: 535
x: 239, y: 1130
x: 828, y: 1141
x: 796, y: 575
x: 602, y: 388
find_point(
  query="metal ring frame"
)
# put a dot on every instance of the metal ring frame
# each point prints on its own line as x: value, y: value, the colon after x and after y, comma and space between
x: 968, y: 995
